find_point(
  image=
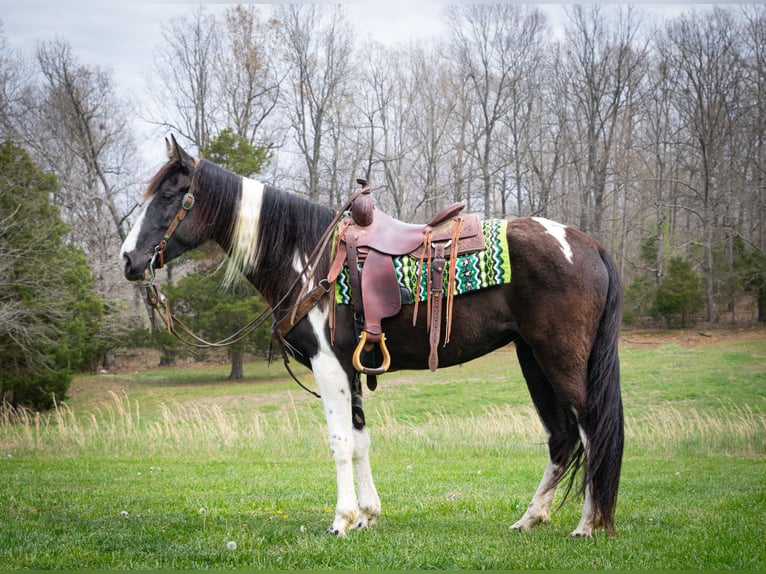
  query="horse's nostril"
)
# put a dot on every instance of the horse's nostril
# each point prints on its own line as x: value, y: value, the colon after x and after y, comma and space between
x: 131, y: 273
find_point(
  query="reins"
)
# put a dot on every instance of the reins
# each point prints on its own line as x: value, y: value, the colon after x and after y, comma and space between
x: 305, y: 301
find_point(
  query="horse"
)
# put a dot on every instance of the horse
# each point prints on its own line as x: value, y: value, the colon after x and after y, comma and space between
x: 561, y: 309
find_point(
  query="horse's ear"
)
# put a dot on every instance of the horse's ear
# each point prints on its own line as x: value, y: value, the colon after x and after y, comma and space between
x: 177, y: 153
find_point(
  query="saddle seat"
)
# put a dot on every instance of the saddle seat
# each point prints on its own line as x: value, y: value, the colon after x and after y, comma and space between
x: 367, y: 242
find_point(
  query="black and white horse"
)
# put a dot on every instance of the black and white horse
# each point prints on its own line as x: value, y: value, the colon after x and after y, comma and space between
x: 561, y: 309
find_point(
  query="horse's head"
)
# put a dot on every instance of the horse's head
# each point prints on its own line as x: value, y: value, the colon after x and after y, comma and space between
x: 159, y: 234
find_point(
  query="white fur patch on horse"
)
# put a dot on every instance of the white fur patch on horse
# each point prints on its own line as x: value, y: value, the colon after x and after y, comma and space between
x: 559, y: 232
x: 336, y: 399
x: 245, y: 235
x: 132, y: 239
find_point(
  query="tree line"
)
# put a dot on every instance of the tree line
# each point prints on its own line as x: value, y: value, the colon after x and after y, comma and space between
x: 647, y: 135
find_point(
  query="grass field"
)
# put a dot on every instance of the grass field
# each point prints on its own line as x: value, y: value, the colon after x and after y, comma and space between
x: 174, y: 468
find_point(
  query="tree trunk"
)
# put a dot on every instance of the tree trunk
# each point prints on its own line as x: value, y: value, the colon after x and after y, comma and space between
x: 237, y: 371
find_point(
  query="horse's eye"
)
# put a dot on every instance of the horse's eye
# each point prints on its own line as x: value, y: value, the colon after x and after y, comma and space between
x: 167, y: 195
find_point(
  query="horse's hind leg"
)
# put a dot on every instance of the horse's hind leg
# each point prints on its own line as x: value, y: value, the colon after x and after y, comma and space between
x: 562, y: 439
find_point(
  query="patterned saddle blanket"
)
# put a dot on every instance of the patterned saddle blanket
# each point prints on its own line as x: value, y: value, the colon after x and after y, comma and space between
x: 489, y: 267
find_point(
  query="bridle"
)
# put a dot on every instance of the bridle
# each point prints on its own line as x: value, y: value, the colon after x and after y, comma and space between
x: 186, y: 204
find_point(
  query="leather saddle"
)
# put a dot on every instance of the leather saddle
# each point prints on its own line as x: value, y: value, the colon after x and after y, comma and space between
x: 367, y: 242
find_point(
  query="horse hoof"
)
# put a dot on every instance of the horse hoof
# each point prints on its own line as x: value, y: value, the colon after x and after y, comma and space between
x: 334, y: 532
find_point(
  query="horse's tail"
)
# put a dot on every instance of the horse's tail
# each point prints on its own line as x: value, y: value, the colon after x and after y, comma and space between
x: 604, y: 419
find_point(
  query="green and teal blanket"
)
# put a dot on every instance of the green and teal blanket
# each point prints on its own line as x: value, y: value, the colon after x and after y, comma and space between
x: 474, y: 271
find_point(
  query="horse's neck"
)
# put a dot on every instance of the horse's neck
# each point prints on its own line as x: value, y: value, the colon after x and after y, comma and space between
x: 290, y: 227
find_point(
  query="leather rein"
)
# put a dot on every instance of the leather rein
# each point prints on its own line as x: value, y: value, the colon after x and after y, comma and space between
x: 158, y: 303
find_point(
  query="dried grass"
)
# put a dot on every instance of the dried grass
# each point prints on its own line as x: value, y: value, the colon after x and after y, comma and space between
x: 117, y: 426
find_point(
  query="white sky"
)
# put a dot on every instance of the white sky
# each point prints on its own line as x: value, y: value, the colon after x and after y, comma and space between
x: 124, y: 35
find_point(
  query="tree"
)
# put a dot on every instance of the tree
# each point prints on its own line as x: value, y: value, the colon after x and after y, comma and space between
x: 211, y: 75
x: 705, y: 51
x: 215, y: 314
x: 78, y: 127
x: 12, y: 87
x: 247, y: 74
x: 492, y: 45
x: 603, y: 66
x: 49, y: 314
x: 316, y: 41
x: 236, y: 153
x: 183, y: 80
x: 680, y: 296
x: 751, y: 270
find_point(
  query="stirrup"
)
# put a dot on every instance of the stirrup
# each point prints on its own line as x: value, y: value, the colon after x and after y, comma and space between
x: 358, y: 353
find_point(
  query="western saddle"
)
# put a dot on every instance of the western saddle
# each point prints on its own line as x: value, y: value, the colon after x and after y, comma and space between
x: 367, y: 241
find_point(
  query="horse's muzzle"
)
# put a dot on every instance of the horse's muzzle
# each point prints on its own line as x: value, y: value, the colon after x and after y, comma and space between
x: 133, y: 270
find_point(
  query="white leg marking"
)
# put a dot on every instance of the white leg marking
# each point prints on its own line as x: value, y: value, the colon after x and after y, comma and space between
x: 132, y: 239
x: 559, y: 232
x: 369, y: 502
x: 336, y: 398
x: 539, y: 510
x: 588, y: 519
x: 245, y: 235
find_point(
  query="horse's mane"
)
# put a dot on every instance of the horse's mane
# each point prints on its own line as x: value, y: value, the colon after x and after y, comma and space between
x: 289, y: 225
x: 218, y: 193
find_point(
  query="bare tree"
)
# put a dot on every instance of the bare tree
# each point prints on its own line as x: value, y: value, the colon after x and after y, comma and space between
x: 544, y: 149
x: 78, y: 128
x: 389, y: 111
x: 248, y: 77
x: 704, y: 49
x: 13, y: 86
x: 317, y: 46
x: 602, y: 67
x: 754, y: 61
x: 433, y: 91
x: 183, y: 78
x: 491, y: 43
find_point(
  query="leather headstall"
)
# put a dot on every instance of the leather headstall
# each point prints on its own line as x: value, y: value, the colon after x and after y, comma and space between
x: 186, y: 204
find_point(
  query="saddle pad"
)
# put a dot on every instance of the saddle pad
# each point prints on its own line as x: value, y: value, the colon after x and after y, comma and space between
x: 478, y: 270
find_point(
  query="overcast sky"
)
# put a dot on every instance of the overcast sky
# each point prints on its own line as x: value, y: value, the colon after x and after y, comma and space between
x: 124, y: 35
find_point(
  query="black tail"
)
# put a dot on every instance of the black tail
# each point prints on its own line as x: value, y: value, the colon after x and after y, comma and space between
x: 604, y: 419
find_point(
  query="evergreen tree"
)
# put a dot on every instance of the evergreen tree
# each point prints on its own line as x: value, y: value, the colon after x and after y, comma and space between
x: 49, y: 313
x: 236, y: 154
x: 751, y: 269
x: 215, y: 314
x: 680, y: 295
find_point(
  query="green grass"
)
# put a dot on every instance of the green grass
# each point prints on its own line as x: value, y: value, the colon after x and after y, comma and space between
x: 117, y: 477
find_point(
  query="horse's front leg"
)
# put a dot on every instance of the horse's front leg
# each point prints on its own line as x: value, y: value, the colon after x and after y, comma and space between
x: 369, y: 502
x: 335, y: 389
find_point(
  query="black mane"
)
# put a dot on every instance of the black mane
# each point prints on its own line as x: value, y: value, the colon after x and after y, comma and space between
x: 218, y: 194
x: 289, y: 224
